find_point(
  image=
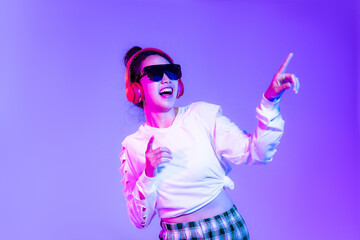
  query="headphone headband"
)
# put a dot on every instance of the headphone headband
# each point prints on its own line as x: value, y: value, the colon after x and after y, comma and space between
x: 128, y: 65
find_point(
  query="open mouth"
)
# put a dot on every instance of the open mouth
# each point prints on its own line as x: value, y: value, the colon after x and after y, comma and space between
x: 168, y: 91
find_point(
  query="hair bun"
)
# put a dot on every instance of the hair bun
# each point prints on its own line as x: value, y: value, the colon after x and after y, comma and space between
x: 131, y: 53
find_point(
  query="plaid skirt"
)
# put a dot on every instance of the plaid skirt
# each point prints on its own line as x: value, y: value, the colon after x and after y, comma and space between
x: 228, y: 225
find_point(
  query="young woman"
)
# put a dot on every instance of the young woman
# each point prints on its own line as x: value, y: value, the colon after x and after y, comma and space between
x: 176, y: 163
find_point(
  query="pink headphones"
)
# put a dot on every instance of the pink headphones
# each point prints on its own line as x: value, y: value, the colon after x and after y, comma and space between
x: 134, y: 91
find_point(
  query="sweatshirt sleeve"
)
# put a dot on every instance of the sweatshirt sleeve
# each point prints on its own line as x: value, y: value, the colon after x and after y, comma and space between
x: 139, y: 192
x: 239, y: 147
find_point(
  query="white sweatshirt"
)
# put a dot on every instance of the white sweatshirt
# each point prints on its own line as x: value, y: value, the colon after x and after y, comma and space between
x: 202, y: 142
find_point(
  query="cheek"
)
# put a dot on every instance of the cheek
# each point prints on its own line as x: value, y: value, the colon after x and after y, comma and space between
x: 149, y: 88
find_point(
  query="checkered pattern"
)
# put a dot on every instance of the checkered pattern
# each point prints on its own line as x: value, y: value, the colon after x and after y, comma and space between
x: 227, y: 226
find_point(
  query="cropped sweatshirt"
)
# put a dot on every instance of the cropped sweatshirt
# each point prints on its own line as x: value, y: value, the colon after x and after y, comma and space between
x: 203, y: 143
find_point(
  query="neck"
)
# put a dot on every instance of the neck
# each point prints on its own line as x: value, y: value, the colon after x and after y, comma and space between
x: 160, y: 119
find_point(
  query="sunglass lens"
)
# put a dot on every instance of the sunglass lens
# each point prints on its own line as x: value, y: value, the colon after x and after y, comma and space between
x: 171, y: 75
x: 155, y: 75
x: 173, y: 71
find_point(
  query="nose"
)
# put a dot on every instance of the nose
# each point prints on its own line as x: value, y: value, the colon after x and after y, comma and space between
x: 165, y: 78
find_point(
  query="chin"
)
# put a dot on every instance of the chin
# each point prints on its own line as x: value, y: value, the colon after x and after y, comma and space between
x: 166, y: 105
x: 161, y: 106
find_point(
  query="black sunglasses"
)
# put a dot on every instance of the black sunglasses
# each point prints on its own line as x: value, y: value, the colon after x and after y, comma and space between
x: 156, y: 72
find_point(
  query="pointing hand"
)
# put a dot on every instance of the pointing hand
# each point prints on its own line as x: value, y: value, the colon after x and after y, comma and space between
x: 282, y: 81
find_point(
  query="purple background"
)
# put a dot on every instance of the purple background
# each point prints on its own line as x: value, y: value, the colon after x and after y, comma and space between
x: 63, y: 112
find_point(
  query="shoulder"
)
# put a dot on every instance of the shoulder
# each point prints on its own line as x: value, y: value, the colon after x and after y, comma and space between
x: 203, y: 108
x: 133, y: 139
x: 133, y: 150
x: 202, y: 111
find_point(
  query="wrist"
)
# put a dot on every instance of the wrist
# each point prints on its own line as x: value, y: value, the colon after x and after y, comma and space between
x: 146, y: 185
x: 150, y: 172
x: 269, y: 97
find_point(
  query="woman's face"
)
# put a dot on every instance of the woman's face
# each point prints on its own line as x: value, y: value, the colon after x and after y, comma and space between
x: 154, y: 99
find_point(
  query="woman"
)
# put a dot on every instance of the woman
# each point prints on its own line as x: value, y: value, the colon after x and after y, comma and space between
x: 176, y: 163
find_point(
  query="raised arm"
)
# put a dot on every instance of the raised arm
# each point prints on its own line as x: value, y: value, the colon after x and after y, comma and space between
x: 238, y: 146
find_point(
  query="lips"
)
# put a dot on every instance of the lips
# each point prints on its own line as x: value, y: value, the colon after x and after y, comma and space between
x: 166, y: 91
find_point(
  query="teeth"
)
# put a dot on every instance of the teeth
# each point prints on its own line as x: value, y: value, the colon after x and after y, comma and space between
x: 166, y: 90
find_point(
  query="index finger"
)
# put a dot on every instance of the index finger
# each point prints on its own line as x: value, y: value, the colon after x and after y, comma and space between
x: 285, y: 64
x: 150, y: 143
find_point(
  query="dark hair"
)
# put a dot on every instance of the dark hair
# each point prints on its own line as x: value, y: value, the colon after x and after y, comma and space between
x: 136, y: 63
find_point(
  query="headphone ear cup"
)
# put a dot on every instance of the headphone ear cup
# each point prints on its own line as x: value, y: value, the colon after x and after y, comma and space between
x: 180, y: 91
x: 136, y: 93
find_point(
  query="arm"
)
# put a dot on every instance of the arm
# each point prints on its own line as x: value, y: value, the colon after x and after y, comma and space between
x: 259, y: 147
x: 139, y: 192
x: 239, y: 147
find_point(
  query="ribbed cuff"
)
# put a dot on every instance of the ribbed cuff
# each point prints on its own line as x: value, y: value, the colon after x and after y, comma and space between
x: 267, y: 111
x: 146, y: 183
x: 271, y: 105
